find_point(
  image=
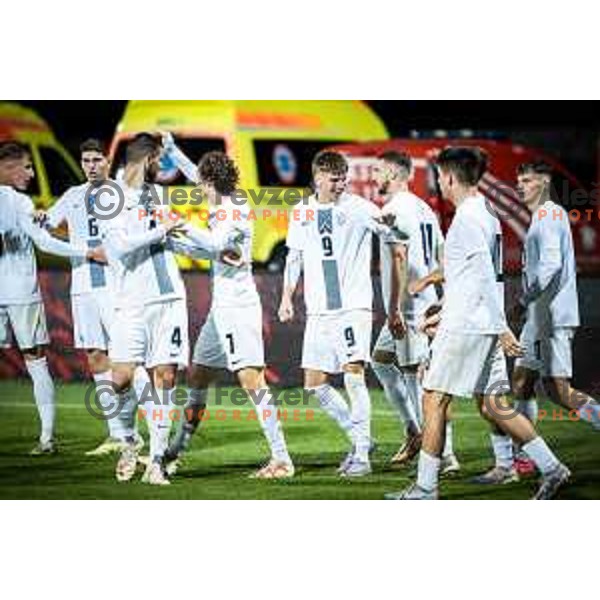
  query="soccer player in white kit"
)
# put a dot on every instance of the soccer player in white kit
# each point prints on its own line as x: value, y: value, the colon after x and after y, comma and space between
x: 332, y: 244
x: 91, y: 295
x: 21, y: 306
x: 468, y: 350
x: 549, y: 300
x: 231, y: 337
x: 401, y: 347
x: 150, y: 328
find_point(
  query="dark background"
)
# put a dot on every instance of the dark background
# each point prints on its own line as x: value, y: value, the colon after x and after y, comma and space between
x: 567, y: 130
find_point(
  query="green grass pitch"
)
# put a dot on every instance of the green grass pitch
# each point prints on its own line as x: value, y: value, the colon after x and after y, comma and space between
x: 225, y: 452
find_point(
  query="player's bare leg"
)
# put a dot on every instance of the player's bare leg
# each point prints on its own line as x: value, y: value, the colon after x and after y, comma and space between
x: 561, y: 392
x: 99, y: 365
x: 333, y: 403
x: 496, y: 409
x: 393, y: 383
x: 280, y: 466
x: 199, y: 379
x: 44, y: 394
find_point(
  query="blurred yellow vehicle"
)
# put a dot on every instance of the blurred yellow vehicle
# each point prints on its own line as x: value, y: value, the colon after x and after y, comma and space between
x: 55, y: 169
x: 272, y: 141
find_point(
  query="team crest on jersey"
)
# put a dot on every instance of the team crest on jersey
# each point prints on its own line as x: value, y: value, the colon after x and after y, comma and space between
x: 341, y: 219
x: 325, y: 221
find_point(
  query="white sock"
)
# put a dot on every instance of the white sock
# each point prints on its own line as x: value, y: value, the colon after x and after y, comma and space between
x: 503, y: 450
x: 332, y: 402
x: 190, y: 419
x: 159, y: 422
x: 106, y: 400
x: 397, y: 395
x: 590, y: 412
x: 43, y: 392
x: 124, y: 424
x: 528, y: 408
x: 360, y: 402
x: 266, y: 411
x: 541, y: 455
x: 428, y: 471
x: 449, y: 443
x: 415, y: 391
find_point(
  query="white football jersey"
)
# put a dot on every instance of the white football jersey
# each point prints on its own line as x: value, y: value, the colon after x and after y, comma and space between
x: 335, y: 240
x: 417, y: 221
x: 141, y: 273
x: 549, y: 261
x: 233, y: 286
x: 86, y: 276
x: 18, y: 234
x: 474, y: 288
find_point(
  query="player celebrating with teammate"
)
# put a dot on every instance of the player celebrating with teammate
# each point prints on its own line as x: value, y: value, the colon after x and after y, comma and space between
x: 231, y: 337
x: 468, y: 350
x: 401, y: 347
x: 21, y: 304
x: 332, y: 244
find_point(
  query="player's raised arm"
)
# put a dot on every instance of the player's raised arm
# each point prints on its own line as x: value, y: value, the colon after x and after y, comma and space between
x: 182, y: 162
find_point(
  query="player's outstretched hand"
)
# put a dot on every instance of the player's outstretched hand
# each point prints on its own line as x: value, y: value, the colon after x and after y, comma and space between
x: 431, y: 320
x: 167, y: 140
x: 417, y: 286
x: 286, y: 310
x: 396, y: 324
x: 510, y: 344
x: 97, y: 255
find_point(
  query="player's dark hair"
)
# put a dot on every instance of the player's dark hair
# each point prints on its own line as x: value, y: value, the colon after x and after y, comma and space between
x: 219, y: 170
x: 328, y: 161
x: 466, y: 163
x: 539, y: 167
x: 400, y: 159
x: 11, y: 150
x: 142, y: 146
x: 92, y: 145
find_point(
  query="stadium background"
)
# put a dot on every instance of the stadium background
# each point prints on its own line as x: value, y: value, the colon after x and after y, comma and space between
x: 567, y: 131
x: 224, y: 452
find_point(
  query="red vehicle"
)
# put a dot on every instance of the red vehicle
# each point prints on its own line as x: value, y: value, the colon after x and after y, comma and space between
x: 498, y: 185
